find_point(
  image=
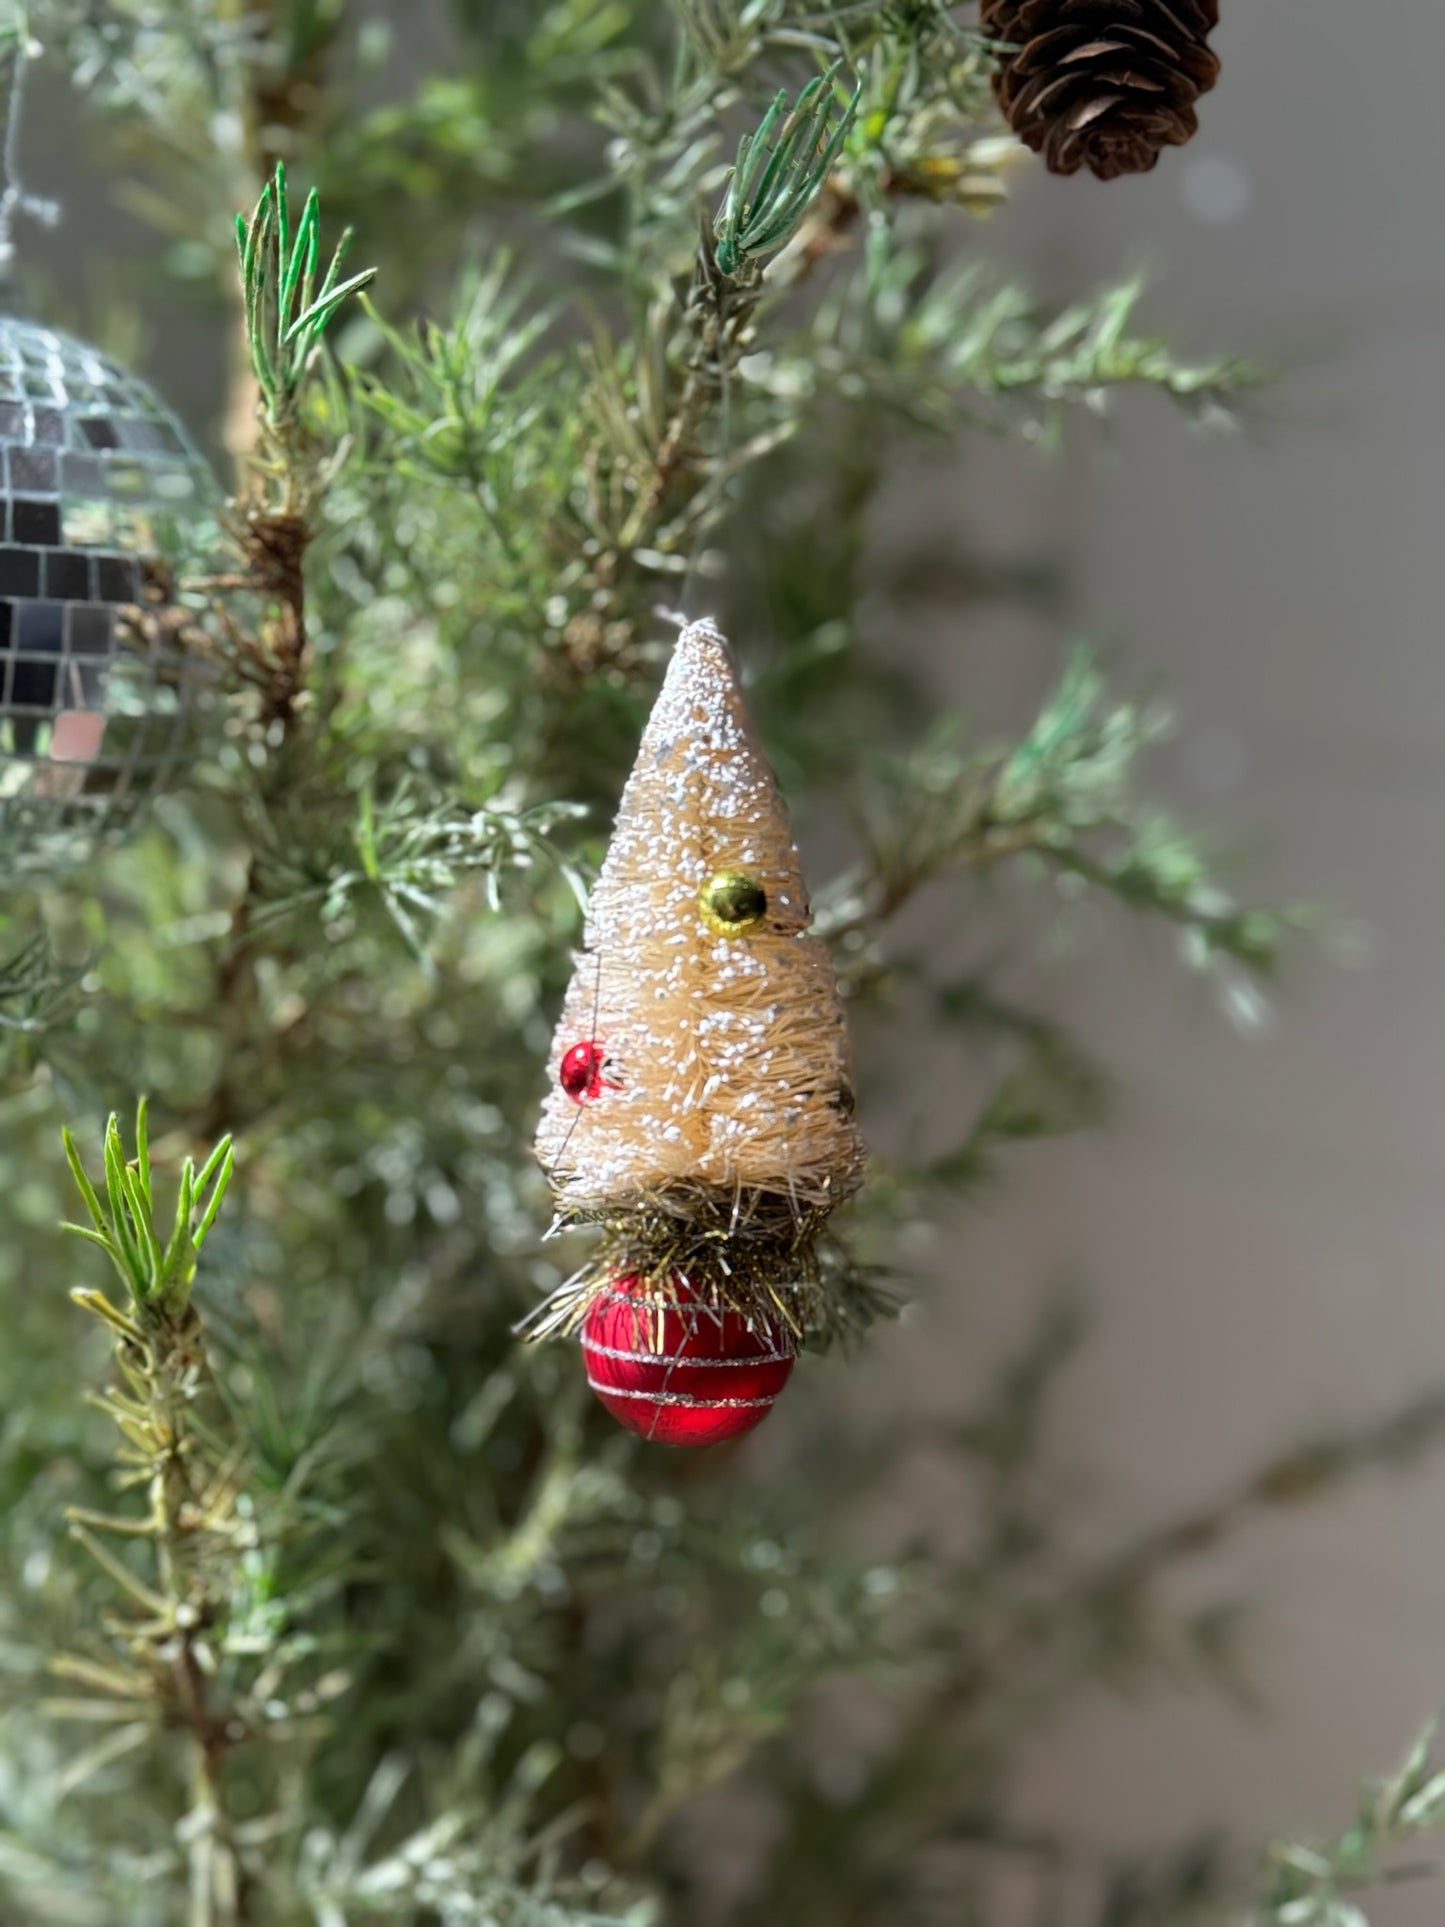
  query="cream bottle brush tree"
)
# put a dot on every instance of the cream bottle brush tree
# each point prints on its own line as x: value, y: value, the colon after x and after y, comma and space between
x: 701, y: 1106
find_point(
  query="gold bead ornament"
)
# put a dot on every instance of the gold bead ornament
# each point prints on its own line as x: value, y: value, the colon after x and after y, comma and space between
x: 732, y: 903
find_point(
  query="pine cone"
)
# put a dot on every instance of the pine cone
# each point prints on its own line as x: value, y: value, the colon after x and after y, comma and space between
x: 1107, y: 83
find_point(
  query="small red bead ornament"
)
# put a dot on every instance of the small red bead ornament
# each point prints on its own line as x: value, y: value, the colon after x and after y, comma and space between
x: 678, y: 1371
x: 583, y: 1073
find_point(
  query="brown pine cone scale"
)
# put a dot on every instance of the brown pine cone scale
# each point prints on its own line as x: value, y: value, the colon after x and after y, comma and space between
x: 1105, y: 84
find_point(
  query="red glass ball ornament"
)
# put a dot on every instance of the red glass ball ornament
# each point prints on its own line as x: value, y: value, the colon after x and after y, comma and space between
x: 678, y: 1371
x: 583, y: 1072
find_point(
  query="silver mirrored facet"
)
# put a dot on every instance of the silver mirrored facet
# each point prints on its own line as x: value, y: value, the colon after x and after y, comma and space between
x: 104, y: 505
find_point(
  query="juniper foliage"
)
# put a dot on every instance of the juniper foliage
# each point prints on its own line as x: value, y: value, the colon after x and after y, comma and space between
x: 320, y: 1601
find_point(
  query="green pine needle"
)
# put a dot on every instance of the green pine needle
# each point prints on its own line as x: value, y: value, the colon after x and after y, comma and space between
x: 779, y: 171
x: 287, y: 315
x: 157, y: 1272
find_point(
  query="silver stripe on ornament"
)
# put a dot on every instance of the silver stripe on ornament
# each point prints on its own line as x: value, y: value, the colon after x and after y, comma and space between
x: 682, y: 1398
x: 666, y: 1358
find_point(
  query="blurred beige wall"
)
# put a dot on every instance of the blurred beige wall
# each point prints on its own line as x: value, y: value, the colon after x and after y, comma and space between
x: 1263, y: 1231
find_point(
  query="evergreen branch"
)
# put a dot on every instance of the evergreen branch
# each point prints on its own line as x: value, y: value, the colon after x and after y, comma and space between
x: 1064, y: 797
x: 1302, y: 1475
x: 158, y: 1275
x: 654, y: 486
x: 287, y: 315
x: 286, y: 319
x: 467, y: 1864
x: 944, y: 351
x: 272, y: 520
x: 414, y: 856
x: 174, y: 1621
x: 778, y: 172
x: 476, y: 403
x: 1318, y: 1885
x: 1052, y: 1092
x: 460, y: 396
x: 1047, y: 1087
x: 653, y: 490
x: 995, y: 342
x: 407, y: 852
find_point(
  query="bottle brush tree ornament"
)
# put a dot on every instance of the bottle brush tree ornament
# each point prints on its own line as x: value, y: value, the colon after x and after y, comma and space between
x: 102, y: 498
x: 1104, y: 84
x: 701, y: 1109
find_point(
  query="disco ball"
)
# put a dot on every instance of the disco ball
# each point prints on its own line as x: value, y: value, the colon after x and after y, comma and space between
x: 103, y: 503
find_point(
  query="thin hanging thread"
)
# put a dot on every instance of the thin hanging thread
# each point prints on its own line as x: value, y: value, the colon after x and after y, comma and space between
x: 721, y: 455
x: 16, y: 198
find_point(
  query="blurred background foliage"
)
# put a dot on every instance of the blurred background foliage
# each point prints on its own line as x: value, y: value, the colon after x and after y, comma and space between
x: 464, y: 1652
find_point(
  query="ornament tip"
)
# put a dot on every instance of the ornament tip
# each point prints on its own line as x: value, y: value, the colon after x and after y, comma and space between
x: 702, y: 646
x: 701, y: 629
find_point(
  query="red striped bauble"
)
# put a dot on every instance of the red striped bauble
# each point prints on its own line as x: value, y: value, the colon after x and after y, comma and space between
x: 677, y: 1370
